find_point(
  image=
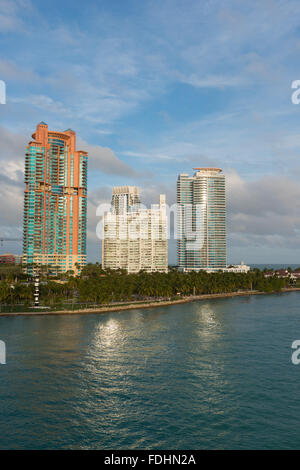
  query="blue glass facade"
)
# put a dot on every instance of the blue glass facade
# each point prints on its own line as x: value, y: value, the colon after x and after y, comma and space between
x: 201, y: 205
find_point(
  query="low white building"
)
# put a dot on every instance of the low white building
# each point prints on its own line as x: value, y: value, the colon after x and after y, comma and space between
x: 237, y: 268
x: 233, y: 268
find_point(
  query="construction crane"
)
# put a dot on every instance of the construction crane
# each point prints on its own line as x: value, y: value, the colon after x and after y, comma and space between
x: 2, y: 239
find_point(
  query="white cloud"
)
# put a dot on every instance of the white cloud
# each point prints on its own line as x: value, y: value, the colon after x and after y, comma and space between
x: 104, y: 160
x: 45, y: 103
x: 11, y: 71
x: 12, y: 153
x: 11, y: 12
x: 149, y: 156
x: 213, y: 81
x: 264, y: 212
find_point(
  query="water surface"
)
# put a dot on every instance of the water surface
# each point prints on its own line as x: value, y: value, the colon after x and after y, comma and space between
x: 214, y: 374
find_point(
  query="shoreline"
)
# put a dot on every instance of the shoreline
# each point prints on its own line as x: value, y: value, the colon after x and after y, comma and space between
x: 153, y: 304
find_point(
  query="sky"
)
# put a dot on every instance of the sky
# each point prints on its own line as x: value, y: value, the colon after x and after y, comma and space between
x: 152, y: 89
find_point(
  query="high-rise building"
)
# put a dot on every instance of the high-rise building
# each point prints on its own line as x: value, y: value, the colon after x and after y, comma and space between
x: 201, y: 223
x: 125, y: 198
x: 134, y: 237
x: 55, y: 202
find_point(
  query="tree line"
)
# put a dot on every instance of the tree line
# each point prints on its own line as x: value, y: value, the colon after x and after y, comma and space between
x: 96, y: 286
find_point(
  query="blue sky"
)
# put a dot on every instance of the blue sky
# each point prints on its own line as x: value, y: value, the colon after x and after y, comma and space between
x: 153, y: 89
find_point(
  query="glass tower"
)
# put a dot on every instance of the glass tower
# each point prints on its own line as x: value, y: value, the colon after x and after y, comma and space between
x: 201, y: 220
x: 55, y: 202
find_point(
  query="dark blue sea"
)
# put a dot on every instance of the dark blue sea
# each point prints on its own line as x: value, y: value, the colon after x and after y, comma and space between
x: 274, y: 266
x: 213, y: 374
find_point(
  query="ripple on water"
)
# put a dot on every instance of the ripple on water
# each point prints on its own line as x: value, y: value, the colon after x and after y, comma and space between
x: 211, y: 374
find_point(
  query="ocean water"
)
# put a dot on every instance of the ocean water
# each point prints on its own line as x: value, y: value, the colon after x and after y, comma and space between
x: 213, y: 374
x: 274, y: 266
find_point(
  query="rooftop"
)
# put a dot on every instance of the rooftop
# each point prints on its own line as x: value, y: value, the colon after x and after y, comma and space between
x: 208, y: 169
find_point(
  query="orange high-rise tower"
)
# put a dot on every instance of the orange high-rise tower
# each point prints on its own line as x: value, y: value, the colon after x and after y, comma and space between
x: 55, y: 202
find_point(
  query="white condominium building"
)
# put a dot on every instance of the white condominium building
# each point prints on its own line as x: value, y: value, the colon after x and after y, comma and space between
x: 201, y: 206
x: 134, y: 237
x: 125, y: 198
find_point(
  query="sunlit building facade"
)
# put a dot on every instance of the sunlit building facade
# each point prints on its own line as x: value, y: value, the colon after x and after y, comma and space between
x: 125, y: 198
x: 201, y: 220
x: 134, y: 237
x: 55, y: 202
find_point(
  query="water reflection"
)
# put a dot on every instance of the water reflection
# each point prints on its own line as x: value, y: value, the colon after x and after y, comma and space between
x: 187, y: 376
x: 107, y: 335
x: 209, y: 316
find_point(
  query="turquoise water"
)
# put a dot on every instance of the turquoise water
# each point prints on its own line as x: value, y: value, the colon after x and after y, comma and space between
x: 208, y: 375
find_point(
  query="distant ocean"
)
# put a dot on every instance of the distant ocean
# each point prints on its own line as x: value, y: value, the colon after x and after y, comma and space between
x: 214, y: 374
x: 274, y: 266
